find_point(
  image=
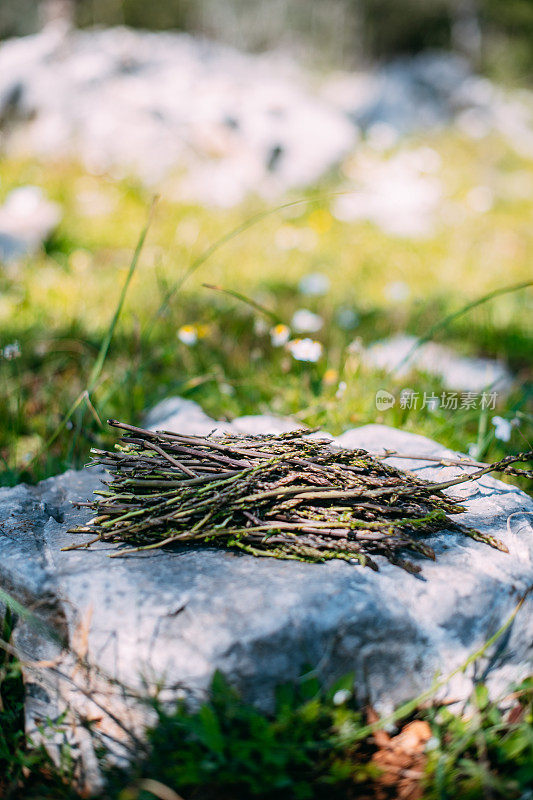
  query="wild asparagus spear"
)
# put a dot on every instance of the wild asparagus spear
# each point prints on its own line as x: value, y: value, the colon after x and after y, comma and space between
x: 284, y: 496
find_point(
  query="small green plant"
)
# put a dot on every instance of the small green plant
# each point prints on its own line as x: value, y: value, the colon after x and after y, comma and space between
x: 315, y: 744
x: 487, y: 753
x: 25, y: 771
x: 11, y: 711
x: 228, y: 749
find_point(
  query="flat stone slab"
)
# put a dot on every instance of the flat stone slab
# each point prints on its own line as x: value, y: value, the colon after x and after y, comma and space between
x: 173, y: 617
x: 400, y: 354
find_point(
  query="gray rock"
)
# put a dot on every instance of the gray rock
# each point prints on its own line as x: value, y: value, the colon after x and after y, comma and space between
x: 27, y: 218
x: 416, y: 93
x: 403, y: 194
x: 180, y: 414
x: 152, y: 103
x: 174, y: 617
x: 254, y: 424
x: 465, y: 373
x: 429, y: 91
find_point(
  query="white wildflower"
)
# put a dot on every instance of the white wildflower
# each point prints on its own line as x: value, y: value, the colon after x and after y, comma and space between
x: 341, y: 389
x: 11, y: 351
x: 279, y: 335
x: 304, y: 321
x: 188, y: 335
x: 314, y: 284
x: 503, y: 428
x: 305, y: 349
x: 342, y: 696
x: 473, y: 451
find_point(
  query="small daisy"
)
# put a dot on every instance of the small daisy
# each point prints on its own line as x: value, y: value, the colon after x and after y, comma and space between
x: 305, y: 349
x: 279, y: 335
x: 341, y: 697
x: 503, y: 428
x: 304, y: 321
x: 341, y: 389
x: 188, y: 335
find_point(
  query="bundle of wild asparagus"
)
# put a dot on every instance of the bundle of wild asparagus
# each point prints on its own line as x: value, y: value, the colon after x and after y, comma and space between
x: 288, y: 496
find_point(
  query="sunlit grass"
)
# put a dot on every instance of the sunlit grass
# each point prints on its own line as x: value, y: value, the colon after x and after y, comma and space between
x: 59, y: 305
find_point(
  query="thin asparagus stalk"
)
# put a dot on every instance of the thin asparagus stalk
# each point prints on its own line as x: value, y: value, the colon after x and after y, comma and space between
x: 286, y: 497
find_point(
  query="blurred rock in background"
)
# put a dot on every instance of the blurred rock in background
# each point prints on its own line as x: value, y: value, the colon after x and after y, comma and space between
x: 27, y: 218
x: 208, y: 123
x: 189, y: 110
x: 148, y: 103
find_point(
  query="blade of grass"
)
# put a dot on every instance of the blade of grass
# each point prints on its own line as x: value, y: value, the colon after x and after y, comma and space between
x: 443, y: 323
x: 483, y: 438
x: 104, y: 348
x: 248, y: 300
x: 60, y: 428
x: 29, y: 617
x: 227, y: 237
x: 102, y: 355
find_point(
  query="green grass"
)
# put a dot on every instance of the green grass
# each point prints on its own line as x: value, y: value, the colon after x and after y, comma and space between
x: 60, y: 305
x: 229, y: 749
x: 313, y: 744
x: 11, y: 710
x: 24, y: 767
x: 487, y: 753
x: 311, y: 747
